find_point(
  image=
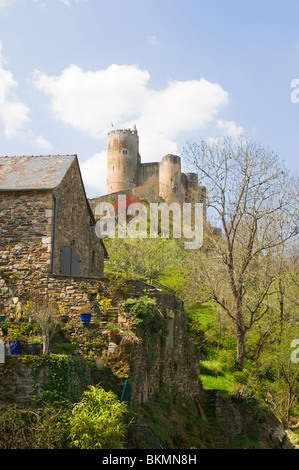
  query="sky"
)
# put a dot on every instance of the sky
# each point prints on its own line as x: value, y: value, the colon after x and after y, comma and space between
x: 73, y: 70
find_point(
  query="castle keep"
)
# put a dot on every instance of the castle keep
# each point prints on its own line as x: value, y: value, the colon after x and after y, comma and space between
x: 128, y: 175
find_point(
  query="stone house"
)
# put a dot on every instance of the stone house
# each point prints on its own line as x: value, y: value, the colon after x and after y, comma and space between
x: 46, y: 224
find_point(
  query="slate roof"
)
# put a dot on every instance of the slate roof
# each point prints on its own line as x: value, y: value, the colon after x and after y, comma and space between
x: 33, y: 172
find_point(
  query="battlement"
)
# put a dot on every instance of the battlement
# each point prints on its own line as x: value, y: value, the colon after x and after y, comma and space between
x: 171, y: 158
x: 123, y: 132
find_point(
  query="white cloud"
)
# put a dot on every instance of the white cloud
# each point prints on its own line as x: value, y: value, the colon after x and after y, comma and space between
x: 94, y: 174
x: 6, y: 3
x: 41, y: 143
x: 68, y: 2
x: 90, y: 100
x: 14, y: 114
x: 230, y: 128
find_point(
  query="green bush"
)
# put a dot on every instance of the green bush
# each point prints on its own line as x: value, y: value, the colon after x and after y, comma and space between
x: 240, y: 377
x: 97, y: 420
x: 227, y: 359
x: 64, y: 348
x: 24, y: 427
x: 146, y: 313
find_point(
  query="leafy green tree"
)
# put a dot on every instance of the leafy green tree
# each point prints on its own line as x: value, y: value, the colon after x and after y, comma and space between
x: 97, y: 421
x: 142, y: 258
x: 277, y: 375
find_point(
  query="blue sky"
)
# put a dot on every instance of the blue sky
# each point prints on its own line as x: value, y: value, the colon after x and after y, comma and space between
x: 180, y: 70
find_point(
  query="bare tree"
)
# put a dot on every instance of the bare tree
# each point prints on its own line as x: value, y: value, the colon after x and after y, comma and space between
x: 46, y: 315
x: 250, y: 195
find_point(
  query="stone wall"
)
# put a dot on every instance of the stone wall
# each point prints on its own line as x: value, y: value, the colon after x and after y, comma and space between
x: 169, y: 361
x: 15, y: 381
x: 19, y: 383
x: 74, y: 226
x: 46, y: 288
x: 148, y: 171
x: 25, y: 230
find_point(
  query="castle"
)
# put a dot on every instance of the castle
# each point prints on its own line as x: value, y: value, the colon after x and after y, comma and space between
x: 126, y: 174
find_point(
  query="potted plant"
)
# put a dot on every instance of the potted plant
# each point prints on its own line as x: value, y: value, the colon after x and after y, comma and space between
x: 112, y: 331
x: 62, y: 312
x: 14, y: 336
x: 104, y: 304
x: 30, y: 311
x: 34, y: 346
x: 85, y: 315
x: 101, y: 361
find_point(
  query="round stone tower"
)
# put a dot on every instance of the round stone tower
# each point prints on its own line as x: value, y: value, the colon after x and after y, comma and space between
x: 123, y: 152
x: 170, y: 177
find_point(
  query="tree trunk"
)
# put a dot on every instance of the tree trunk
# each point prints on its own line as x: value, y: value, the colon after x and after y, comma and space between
x: 240, y: 333
x: 240, y: 347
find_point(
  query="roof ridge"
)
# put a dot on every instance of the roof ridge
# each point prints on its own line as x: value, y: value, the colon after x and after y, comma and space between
x: 38, y: 156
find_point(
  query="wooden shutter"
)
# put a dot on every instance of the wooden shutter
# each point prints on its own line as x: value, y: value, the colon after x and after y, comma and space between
x: 65, y: 260
x: 69, y: 261
x: 75, y: 264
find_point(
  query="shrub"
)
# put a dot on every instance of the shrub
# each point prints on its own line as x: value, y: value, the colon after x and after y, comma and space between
x: 97, y: 420
x: 146, y: 313
x: 64, y: 348
x: 240, y: 377
x: 24, y: 427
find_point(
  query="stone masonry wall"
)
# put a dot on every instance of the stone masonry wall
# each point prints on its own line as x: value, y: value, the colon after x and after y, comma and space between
x: 24, y: 216
x: 74, y: 227
x: 172, y: 362
x: 15, y: 381
x: 168, y: 359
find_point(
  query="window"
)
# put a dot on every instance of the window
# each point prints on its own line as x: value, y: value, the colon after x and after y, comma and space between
x: 93, y: 258
x: 125, y: 152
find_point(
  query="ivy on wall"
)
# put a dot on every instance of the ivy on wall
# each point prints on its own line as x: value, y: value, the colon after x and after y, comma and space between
x: 60, y: 376
x: 150, y: 320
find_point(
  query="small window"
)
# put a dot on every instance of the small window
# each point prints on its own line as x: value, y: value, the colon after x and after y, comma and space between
x: 125, y: 152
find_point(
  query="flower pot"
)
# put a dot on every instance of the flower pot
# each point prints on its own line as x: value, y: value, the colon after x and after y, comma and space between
x: 112, y: 334
x: 34, y: 348
x: 85, y: 317
x: 100, y: 362
x: 2, y: 318
x: 14, y: 346
x: 31, y: 319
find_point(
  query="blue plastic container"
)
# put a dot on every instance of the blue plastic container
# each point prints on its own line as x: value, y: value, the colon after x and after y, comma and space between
x: 85, y: 317
x: 14, y: 346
